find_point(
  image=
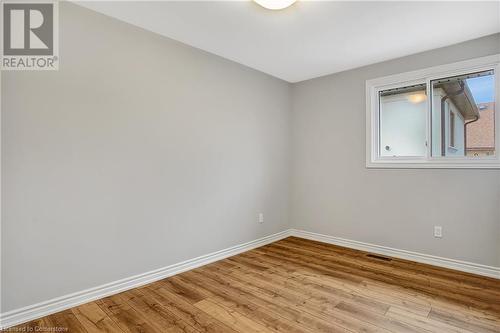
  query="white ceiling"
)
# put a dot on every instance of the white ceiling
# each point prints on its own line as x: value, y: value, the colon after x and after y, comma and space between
x: 310, y: 38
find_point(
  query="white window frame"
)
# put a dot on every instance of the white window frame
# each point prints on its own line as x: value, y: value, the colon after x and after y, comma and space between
x: 374, y: 86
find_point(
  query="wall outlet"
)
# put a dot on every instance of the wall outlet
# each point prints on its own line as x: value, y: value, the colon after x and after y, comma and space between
x: 261, y: 217
x: 438, y: 231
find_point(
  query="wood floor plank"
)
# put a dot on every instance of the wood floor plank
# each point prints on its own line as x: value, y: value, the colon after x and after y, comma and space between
x: 67, y: 319
x: 230, y: 317
x: 423, y: 323
x: 389, y: 324
x: 156, y: 314
x: 187, y: 312
x: 463, y: 321
x: 44, y: 324
x: 294, y: 286
x: 183, y: 290
x: 94, y: 319
x: 124, y: 315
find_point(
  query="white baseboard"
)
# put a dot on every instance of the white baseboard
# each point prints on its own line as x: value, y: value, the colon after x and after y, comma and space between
x: 458, y: 265
x: 35, y: 311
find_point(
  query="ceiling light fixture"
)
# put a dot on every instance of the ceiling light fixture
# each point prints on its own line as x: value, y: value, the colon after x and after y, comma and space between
x: 275, y: 4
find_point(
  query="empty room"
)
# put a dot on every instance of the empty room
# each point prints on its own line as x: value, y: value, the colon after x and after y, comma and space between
x: 272, y: 166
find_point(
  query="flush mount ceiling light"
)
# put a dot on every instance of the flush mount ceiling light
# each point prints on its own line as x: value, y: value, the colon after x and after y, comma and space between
x: 275, y: 4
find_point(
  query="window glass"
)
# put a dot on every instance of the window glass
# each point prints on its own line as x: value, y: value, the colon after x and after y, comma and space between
x: 463, y: 115
x: 403, y: 121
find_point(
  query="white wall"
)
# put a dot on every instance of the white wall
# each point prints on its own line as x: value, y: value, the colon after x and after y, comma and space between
x: 138, y: 153
x: 335, y: 194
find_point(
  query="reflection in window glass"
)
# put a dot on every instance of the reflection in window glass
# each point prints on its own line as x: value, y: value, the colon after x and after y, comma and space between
x: 463, y: 115
x: 452, y: 130
x: 403, y: 121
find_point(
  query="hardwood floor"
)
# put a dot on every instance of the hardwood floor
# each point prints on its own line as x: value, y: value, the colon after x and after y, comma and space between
x: 296, y: 285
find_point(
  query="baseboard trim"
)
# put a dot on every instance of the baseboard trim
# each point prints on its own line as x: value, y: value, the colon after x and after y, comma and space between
x: 458, y: 265
x: 35, y: 311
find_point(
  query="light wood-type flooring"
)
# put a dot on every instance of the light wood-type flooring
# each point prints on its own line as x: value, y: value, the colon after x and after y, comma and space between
x: 295, y: 285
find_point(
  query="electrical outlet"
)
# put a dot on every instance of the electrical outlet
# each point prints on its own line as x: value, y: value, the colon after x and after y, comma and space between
x: 438, y: 231
x: 261, y: 217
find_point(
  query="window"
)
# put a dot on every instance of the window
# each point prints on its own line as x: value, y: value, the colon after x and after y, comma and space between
x: 440, y: 117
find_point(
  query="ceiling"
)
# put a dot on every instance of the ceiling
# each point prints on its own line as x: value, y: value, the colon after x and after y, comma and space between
x: 310, y: 38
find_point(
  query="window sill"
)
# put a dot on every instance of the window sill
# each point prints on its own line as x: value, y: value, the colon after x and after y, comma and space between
x: 433, y: 164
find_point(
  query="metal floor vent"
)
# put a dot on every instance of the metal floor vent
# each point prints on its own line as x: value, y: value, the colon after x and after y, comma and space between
x: 375, y: 256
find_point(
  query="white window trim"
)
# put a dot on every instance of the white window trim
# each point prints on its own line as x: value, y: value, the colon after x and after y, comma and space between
x: 374, y: 160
